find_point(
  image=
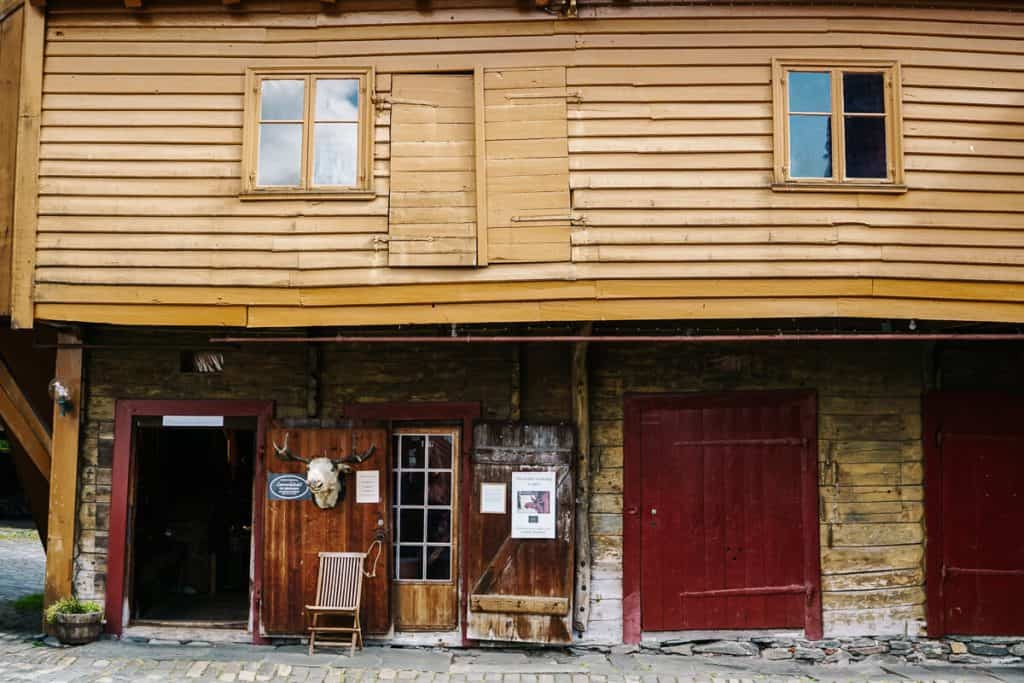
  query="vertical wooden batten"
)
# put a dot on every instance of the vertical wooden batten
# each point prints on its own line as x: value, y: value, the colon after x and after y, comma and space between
x: 60, y: 542
x: 581, y: 418
x: 480, y: 139
x: 26, y: 172
x: 11, y: 25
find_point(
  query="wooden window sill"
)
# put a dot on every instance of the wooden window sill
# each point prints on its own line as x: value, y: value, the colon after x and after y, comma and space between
x: 840, y: 187
x: 308, y: 196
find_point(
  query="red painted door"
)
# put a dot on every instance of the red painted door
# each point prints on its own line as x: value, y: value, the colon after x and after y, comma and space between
x: 728, y: 512
x: 975, y: 500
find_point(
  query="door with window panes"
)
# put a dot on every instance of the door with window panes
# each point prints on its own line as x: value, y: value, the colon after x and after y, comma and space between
x: 425, y: 523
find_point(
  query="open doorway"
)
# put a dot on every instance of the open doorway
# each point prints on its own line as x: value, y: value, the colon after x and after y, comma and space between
x: 192, y: 520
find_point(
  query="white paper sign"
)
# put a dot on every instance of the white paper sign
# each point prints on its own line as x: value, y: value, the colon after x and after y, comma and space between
x: 492, y: 499
x: 533, y: 505
x: 367, y: 486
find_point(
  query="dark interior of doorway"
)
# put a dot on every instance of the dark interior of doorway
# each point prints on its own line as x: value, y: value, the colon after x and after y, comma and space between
x: 193, y: 525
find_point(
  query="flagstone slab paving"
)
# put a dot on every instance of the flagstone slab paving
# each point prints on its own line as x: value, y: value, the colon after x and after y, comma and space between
x: 24, y: 658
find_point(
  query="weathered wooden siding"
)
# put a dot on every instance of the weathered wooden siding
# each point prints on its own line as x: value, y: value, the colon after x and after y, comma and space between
x: 669, y: 151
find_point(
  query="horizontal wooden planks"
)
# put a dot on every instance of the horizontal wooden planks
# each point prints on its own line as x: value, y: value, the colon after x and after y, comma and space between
x: 528, y: 202
x: 662, y: 125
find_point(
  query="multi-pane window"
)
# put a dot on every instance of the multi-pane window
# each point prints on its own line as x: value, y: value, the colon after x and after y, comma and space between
x: 423, y: 506
x: 837, y: 125
x: 308, y: 133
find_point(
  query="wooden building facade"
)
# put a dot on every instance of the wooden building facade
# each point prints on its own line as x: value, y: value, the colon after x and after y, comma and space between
x: 586, y: 169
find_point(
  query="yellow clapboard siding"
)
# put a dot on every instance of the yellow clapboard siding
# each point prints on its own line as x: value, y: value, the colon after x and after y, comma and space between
x: 215, y: 225
x: 782, y: 234
x: 119, y: 118
x: 116, y: 241
x: 214, y: 316
x: 139, y: 152
x: 739, y: 308
x: 696, y: 160
x: 662, y: 113
x: 752, y: 198
x: 166, y: 103
x: 202, y: 206
x: 808, y: 215
x: 117, y: 135
x: 647, y: 127
x: 139, y: 169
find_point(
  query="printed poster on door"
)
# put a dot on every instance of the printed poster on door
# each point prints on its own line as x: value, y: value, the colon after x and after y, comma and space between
x: 533, y: 504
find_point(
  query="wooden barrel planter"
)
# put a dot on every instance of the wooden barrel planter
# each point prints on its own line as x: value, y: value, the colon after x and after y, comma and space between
x: 77, y: 629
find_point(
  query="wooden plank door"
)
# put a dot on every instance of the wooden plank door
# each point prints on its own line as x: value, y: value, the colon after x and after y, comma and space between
x: 727, y: 511
x: 520, y: 588
x: 975, y: 508
x: 295, y: 531
x: 425, y: 522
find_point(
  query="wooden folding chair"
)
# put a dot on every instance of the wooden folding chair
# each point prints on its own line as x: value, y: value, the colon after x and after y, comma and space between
x: 339, y: 588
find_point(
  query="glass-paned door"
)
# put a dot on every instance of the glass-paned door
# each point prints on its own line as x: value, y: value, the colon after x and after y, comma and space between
x: 425, y: 511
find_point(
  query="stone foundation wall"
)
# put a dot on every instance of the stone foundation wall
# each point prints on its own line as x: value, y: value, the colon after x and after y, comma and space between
x: 961, y: 650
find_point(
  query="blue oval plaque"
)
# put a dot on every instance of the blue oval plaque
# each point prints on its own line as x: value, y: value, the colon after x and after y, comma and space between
x: 287, y: 487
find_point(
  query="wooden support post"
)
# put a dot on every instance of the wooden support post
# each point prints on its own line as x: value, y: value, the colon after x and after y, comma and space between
x: 26, y: 168
x: 515, y: 410
x: 581, y: 417
x: 313, y: 373
x: 60, y: 542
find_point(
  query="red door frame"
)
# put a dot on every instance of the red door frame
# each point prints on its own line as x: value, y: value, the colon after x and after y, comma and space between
x: 440, y: 411
x: 635, y: 404
x: 125, y: 412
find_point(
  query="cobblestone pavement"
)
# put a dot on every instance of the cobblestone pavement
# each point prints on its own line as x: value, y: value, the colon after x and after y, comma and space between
x: 24, y: 659
x: 22, y: 569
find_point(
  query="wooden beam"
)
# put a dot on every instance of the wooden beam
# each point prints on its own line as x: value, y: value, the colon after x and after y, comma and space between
x: 135, y: 4
x: 60, y: 541
x: 480, y: 152
x: 26, y: 179
x: 519, y: 604
x: 11, y: 27
x: 23, y: 422
x: 580, y: 383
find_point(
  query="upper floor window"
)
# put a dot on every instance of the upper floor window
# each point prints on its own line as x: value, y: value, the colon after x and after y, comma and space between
x: 837, y: 126
x: 308, y: 133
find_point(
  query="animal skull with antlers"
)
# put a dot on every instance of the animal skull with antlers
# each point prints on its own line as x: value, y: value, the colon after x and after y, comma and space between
x: 323, y: 474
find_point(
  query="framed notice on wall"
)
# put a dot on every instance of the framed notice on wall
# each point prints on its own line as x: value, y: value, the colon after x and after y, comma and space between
x: 533, y: 504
